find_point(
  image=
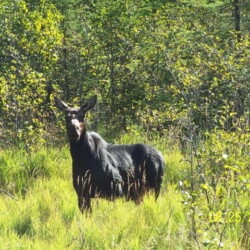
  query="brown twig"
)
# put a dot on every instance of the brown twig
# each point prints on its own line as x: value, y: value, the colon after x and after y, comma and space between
x: 8, y: 194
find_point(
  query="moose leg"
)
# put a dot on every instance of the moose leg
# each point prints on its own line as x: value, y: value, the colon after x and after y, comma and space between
x: 157, y: 190
x: 133, y: 190
x: 87, y: 204
x: 139, y: 186
x: 142, y: 180
x: 87, y: 190
x: 79, y: 188
x: 158, y: 179
x: 80, y: 203
x: 84, y: 200
x: 116, y: 189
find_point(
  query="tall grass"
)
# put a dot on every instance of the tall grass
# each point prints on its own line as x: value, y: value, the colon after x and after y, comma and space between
x: 38, y: 207
x: 48, y: 217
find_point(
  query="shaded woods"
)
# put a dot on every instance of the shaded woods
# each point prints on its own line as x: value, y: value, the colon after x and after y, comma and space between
x: 153, y: 64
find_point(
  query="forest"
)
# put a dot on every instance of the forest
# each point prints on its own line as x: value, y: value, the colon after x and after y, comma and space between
x: 172, y: 73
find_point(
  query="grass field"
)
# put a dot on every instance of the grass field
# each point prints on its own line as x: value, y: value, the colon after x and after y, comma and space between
x: 38, y: 209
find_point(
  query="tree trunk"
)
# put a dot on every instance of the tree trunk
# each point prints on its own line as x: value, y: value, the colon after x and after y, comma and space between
x: 237, y: 18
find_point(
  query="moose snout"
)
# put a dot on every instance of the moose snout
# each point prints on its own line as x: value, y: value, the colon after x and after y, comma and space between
x: 75, y: 124
x: 74, y: 131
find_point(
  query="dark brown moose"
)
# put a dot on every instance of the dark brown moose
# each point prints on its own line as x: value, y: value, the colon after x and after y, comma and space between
x: 108, y: 170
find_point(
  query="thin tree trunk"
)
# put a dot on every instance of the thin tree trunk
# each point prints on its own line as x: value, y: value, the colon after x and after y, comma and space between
x: 237, y: 18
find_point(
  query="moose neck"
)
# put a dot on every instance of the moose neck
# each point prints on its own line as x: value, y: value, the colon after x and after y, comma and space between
x: 77, y: 148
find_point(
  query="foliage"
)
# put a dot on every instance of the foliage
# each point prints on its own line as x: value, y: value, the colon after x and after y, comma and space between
x: 216, y: 194
x: 29, y: 38
x: 153, y: 63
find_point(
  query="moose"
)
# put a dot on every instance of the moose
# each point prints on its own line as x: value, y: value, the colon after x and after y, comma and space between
x: 101, y: 169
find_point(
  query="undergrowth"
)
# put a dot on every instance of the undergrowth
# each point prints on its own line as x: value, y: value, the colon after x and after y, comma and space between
x: 38, y: 206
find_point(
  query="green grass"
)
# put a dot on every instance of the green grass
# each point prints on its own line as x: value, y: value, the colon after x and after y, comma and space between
x: 48, y: 217
x: 38, y: 208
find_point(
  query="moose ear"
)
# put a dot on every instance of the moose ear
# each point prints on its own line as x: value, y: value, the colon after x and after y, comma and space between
x: 89, y: 104
x: 60, y: 104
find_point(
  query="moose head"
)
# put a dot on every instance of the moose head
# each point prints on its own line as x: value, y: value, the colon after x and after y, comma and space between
x: 75, y: 117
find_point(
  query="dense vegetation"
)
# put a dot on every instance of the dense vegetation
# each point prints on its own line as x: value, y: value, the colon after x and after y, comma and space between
x: 171, y: 73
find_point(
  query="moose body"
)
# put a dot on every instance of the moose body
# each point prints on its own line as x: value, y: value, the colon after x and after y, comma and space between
x: 108, y: 170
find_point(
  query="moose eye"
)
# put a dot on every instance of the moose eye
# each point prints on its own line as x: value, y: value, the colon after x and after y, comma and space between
x: 70, y: 116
